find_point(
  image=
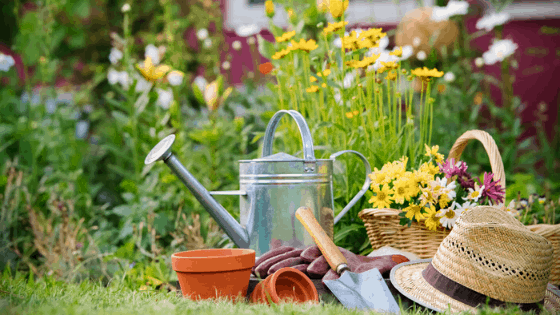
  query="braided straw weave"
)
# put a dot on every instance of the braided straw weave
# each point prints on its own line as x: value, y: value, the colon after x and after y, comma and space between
x: 383, y: 227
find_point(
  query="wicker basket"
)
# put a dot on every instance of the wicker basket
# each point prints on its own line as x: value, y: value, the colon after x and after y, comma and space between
x: 383, y: 227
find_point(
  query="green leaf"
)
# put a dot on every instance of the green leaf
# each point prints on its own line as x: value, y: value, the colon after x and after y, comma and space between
x: 121, y: 118
x: 81, y: 8
x: 266, y: 48
x: 198, y: 94
x: 123, y: 210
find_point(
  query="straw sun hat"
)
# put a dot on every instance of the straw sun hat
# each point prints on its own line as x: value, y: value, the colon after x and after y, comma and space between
x: 488, y: 256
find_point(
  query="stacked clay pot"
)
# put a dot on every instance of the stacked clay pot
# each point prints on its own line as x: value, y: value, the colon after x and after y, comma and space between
x: 285, y: 285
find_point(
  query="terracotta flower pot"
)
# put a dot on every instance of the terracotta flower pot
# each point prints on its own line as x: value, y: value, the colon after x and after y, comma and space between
x: 286, y: 284
x: 214, y: 273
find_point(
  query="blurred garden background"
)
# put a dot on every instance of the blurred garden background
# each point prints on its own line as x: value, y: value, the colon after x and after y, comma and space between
x: 88, y: 87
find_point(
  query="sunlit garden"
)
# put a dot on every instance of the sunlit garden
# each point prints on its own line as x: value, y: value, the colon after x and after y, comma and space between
x: 133, y: 133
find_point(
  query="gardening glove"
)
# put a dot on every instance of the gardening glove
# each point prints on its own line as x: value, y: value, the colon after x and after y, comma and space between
x: 319, y: 267
x: 273, y: 260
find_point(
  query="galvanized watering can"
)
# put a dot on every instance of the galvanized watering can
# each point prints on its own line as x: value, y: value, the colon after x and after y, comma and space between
x: 272, y: 188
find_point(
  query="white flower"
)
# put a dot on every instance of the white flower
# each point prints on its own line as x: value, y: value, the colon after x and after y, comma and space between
x: 381, y: 47
x: 488, y: 22
x: 50, y: 105
x: 421, y: 55
x: 152, y: 52
x: 410, y: 120
x: 113, y: 76
x: 236, y: 45
x: 175, y: 77
x: 416, y: 41
x: 207, y: 43
x: 384, y: 56
x: 449, y: 216
x: 479, y: 62
x: 6, y: 62
x: 165, y: 97
x: 247, y: 30
x: 449, y: 77
x: 407, y: 51
x: 82, y: 128
x: 125, y: 8
x: 337, y: 42
x: 115, y: 55
x: 226, y: 65
x: 142, y: 85
x: 499, y: 50
x: 124, y: 80
x: 251, y: 40
x: 201, y: 83
x: 453, y: 8
x: 202, y: 34
x: 348, y: 79
x: 474, y: 194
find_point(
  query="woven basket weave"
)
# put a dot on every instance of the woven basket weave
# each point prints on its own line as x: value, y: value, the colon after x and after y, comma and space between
x: 383, y: 227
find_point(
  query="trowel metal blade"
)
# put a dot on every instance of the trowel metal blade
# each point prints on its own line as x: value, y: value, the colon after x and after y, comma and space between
x: 366, y: 290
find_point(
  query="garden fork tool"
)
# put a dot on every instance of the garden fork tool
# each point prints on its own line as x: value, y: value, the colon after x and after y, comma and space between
x: 366, y: 290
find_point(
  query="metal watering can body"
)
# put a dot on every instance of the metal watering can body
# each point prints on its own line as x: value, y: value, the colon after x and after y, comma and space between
x: 272, y: 188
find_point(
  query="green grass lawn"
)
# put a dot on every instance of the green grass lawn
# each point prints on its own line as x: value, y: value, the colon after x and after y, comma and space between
x: 24, y: 295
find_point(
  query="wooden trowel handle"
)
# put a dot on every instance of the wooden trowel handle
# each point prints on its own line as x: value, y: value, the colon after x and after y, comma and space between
x: 332, y: 254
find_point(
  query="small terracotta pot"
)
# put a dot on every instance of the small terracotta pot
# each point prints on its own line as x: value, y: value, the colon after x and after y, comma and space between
x: 214, y: 273
x: 286, y: 284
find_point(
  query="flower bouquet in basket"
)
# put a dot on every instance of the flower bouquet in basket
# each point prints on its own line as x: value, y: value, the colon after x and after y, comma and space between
x: 436, y: 193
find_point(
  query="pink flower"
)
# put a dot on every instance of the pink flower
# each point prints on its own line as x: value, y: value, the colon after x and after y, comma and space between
x: 452, y: 168
x: 493, y: 191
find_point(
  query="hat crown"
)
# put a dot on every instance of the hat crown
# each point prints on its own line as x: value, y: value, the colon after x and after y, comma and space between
x: 492, y: 253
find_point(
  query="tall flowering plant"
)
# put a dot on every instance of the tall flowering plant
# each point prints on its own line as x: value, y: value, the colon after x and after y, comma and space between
x: 436, y: 193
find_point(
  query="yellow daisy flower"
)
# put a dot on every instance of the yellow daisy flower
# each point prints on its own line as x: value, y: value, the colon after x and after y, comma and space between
x: 306, y: 46
x: 333, y: 27
x: 402, y: 190
x: 432, y: 220
x: 312, y: 89
x: 285, y: 37
x: 390, y: 65
x: 282, y: 53
x: 150, y: 72
x: 397, y: 52
x: 337, y: 7
x: 425, y: 73
x: 414, y: 212
x: 383, y: 198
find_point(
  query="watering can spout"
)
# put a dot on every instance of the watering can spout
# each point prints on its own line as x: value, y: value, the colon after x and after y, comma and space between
x: 162, y: 151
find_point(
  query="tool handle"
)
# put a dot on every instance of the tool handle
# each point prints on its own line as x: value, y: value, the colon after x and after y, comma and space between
x: 333, y: 256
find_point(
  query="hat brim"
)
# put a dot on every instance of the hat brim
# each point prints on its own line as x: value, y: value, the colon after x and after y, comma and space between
x: 408, y: 280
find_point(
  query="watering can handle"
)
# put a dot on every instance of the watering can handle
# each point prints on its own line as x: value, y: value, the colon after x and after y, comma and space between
x: 365, y: 187
x: 307, y: 141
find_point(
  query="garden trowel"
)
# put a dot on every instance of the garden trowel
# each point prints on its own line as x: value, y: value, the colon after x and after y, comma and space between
x: 366, y: 290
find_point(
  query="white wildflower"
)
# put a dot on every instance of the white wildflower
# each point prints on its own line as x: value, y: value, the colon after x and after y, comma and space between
x: 499, y: 50
x: 142, y: 85
x: 202, y: 34
x: 124, y: 80
x: 453, y: 8
x: 226, y: 65
x: 488, y: 22
x: 82, y: 128
x: 236, y: 45
x: 479, y: 62
x: 251, y: 40
x: 421, y: 55
x: 207, y: 43
x: 407, y: 52
x: 152, y: 52
x: 175, y: 77
x: 113, y: 76
x: 449, y: 216
x: 165, y: 97
x: 449, y: 77
x: 115, y: 55
x: 348, y: 79
x: 337, y: 42
x: 125, y: 8
x: 247, y: 30
x: 6, y: 62
x: 416, y: 41
x: 474, y: 194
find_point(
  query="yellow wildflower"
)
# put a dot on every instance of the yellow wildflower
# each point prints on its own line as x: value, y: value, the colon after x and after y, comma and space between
x: 269, y: 8
x: 429, y: 168
x: 364, y: 63
x: 350, y: 42
x: 444, y: 201
x: 414, y: 212
x: 390, y: 65
x: 150, y: 72
x: 373, y: 34
x: 433, y: 152
x: 397, y: 52
x: 432, y: 220
x: 425, y: 73
x: 327, y: 72
x: 282, y: 53
x: 382, y: 198
x: 391, y: 76
x: 337, y: 7
x: 312, y: 79
x: 324, y: 85
x: 306, y: 46
x: 312, y: 89
x: 402, y: 190
x: 349, y: 115
x: 322, y: 5
x: 333, y: 27
x: 285, y: 37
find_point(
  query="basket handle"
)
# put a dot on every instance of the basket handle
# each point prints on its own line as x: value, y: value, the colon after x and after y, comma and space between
x: 490, y: 147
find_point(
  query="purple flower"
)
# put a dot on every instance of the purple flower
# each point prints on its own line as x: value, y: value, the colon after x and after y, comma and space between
x: 452, y: 168
x: 492, y: 189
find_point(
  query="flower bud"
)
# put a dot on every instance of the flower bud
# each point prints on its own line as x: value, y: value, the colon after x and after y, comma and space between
x: 269, y: 8
x: 125, y: 8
